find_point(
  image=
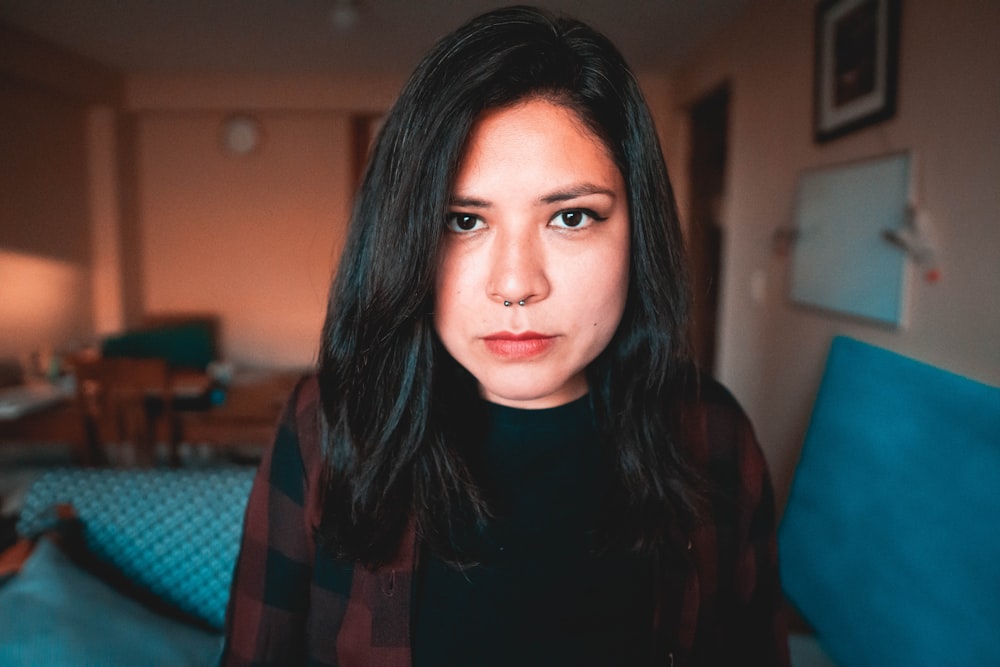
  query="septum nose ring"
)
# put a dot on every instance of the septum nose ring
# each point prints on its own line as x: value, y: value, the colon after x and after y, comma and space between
x: 508, y: 303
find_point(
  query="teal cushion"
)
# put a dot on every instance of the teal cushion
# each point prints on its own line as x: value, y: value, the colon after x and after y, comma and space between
x: 54, y: 613
x: 173, y: 533
x: 889, y: 542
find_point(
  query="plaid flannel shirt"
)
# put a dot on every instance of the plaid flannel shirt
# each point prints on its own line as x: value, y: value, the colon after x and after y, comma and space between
x: 290, y: 605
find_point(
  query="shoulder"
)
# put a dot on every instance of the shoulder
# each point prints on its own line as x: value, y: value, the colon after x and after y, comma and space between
x: 699, y: 386
x: 304, y: 399
x: 294, y: 464
x: 302, y: 421
x: 720, y: 443
x: 712, y: 423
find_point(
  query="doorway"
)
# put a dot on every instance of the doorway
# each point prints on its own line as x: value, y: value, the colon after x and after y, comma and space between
x: 707, y: 172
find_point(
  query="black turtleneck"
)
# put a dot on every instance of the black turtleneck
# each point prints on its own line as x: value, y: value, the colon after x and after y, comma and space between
x: 540, y: 596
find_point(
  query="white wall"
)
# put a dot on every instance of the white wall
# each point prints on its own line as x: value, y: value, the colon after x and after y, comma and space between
x: 252, y: 238
x: 771, y: 353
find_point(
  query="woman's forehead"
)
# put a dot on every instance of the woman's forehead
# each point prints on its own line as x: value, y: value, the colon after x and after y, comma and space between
x: 531, y: 130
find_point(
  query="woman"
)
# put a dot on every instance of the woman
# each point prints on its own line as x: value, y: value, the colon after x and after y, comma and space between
x: 504, y: 459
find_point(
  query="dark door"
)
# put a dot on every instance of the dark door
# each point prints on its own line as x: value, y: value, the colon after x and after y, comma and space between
x: 709, y: 120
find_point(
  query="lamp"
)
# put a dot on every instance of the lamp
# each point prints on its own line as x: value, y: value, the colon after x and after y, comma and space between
x: 241, y: 134
x: 344, y: 15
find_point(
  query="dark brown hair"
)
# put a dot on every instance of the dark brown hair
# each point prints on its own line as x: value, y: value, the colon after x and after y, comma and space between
x: 400, y: 411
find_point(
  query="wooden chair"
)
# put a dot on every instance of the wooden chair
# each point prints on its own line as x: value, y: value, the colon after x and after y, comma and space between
x: 123, y: 400
x: 248, y: 416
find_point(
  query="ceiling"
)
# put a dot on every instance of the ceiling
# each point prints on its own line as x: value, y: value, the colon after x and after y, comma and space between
x: 299, y: 36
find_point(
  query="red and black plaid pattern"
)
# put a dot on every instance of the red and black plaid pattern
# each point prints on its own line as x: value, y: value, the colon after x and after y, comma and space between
x: 291, y: 605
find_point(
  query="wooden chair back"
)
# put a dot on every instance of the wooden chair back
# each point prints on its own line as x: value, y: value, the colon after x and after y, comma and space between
x: 123, y: 399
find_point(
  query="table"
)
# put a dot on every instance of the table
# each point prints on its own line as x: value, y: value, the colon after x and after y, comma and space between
x: 55, y: 421
x: 247, y: 415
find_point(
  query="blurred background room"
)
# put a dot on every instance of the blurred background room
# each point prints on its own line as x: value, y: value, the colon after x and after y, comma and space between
x: 176, y: 179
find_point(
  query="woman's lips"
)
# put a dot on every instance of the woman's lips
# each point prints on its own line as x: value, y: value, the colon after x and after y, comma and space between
x: 518, y: 346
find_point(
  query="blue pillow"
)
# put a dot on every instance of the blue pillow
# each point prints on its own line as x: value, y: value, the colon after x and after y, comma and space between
x: 54, y: 613
x: 889, y: 543
x: 173, y: 533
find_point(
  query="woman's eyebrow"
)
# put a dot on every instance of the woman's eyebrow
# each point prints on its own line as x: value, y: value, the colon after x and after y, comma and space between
x: 469, y: 202
x: 565, y: 194
x: 574, y: 191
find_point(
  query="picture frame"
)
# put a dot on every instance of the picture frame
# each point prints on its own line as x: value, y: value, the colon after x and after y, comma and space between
x: 856, y: 63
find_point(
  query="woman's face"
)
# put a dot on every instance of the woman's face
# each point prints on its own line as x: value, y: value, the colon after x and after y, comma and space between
x: 538, y: 215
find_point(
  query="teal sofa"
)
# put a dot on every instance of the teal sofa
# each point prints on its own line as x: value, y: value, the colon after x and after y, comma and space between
x: 128, y: 567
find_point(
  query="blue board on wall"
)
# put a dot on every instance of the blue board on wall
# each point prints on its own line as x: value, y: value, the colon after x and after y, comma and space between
x: 841, y: 262
x: 889, y: 544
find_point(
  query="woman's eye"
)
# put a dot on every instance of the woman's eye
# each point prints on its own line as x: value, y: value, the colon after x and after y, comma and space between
x: 574, y: 219
x: 463, y: 222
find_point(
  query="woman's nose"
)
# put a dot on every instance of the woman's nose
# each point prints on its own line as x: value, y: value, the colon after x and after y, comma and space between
x: 518, y: 271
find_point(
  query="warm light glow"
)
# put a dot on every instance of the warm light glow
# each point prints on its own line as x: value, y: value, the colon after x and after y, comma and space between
x: 43, y: 303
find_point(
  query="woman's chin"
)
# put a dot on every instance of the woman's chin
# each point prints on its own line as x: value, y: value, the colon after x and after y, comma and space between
x: 533, y: 397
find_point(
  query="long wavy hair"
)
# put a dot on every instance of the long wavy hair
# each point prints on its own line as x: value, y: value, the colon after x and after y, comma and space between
x: 402, y: 418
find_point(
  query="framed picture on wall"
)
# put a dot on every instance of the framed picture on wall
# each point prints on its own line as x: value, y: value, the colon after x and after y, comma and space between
x: 857, y: 51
